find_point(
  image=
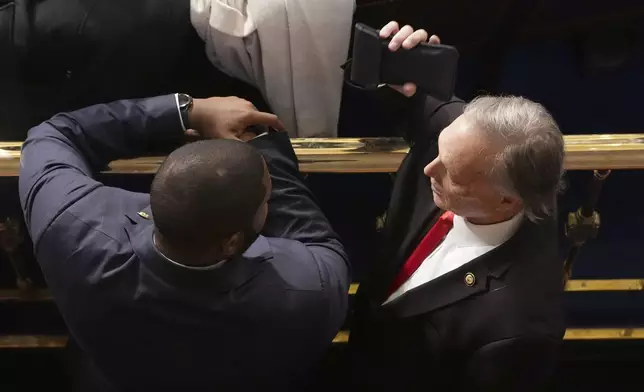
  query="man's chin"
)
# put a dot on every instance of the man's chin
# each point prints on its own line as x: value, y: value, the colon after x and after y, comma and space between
x: 438, y: 201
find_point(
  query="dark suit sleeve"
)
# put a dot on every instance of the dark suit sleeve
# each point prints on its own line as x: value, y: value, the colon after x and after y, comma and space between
x: 518, y: 364
x: 61, y: 156
x: 412, y: 118
x: 293, y: 213
x: 428, y: 116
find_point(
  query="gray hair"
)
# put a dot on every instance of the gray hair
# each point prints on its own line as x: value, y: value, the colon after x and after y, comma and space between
x: 530, y: 166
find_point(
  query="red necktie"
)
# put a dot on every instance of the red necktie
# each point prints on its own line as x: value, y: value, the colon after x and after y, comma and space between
x: 426, y: 246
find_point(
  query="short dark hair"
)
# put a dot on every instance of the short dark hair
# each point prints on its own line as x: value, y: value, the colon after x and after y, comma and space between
x: 206, y: 191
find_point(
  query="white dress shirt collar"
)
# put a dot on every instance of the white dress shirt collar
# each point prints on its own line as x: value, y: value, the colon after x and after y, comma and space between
x: 469, y: 234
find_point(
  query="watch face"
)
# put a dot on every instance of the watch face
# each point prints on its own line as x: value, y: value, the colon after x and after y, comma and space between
x: 184, y: 100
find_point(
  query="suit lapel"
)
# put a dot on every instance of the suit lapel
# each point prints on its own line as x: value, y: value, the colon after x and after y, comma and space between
x: 425, y: 216
x: 455, y: 285
x: 411, y: 215
x: 411, y: 210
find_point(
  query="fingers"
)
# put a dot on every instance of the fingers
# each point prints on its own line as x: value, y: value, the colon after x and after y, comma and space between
x: 250, y: 104
x: 262, y: 118
x: 247, y: 136
x: 255, y: 117
x: 409, y: 89
x: 415, y: 38
x: 192, y: 133
x: 389, y: 29
x: 397, y: 88
x: 400, y: 36
x: 406, y: 37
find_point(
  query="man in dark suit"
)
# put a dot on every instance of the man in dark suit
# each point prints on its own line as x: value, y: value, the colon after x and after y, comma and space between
x: 468, y: 292
x: 176, y: 290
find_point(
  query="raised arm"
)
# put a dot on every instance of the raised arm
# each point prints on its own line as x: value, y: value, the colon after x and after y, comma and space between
x: 406, y: 112
x: 293, y: 210
x: 61, y: 156
x: 294, y: 213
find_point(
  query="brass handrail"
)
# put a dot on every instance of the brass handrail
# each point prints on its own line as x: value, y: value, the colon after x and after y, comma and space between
x: 577, y: 285
x: 32, y: 341
x: 19, y: 295
x: 342, y: 337
x: 572, y: 334
x: 384, y: 155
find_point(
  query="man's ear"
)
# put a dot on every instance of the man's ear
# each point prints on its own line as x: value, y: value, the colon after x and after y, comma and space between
x: 232, y: 244
x: 511, y: 203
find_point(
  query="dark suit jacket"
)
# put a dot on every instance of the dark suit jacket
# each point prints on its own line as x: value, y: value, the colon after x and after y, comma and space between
x: 501, y: 334
x: 258, y: 321
x: 61, y: 55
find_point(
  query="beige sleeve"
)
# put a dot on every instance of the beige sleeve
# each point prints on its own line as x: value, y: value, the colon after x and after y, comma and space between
x: 290, y: 50
x: 230, y: 37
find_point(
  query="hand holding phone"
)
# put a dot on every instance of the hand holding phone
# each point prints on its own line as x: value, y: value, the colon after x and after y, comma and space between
x: 408, y: 59
x: 405, y: 38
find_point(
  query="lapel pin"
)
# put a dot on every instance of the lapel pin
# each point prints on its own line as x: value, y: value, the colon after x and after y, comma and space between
x: 144, y: 215
x: 470, y: 279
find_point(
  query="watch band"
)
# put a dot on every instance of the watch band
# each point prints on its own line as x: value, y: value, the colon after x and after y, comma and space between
x: 185, y: 102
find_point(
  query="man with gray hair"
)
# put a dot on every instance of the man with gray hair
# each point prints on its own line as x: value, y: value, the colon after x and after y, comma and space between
x: 468, y: 292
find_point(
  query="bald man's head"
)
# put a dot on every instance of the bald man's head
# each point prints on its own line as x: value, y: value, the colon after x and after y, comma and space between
x: 208, y: 192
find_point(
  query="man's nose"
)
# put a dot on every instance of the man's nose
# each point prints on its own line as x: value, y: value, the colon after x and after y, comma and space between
x: 432, y: 168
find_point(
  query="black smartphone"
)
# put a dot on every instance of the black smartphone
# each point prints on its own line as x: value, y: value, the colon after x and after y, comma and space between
x: 431, y: 67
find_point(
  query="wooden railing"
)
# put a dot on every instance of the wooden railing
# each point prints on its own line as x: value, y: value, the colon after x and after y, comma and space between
x: 377, y: 155
x: 384, y: 155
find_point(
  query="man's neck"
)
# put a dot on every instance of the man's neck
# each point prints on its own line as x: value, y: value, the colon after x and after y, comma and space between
x: 492, y: 219
x: 190, y: 258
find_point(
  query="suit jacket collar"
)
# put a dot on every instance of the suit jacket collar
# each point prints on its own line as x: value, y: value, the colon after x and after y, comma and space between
x: 452, y: 287
x: 232, y: 274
